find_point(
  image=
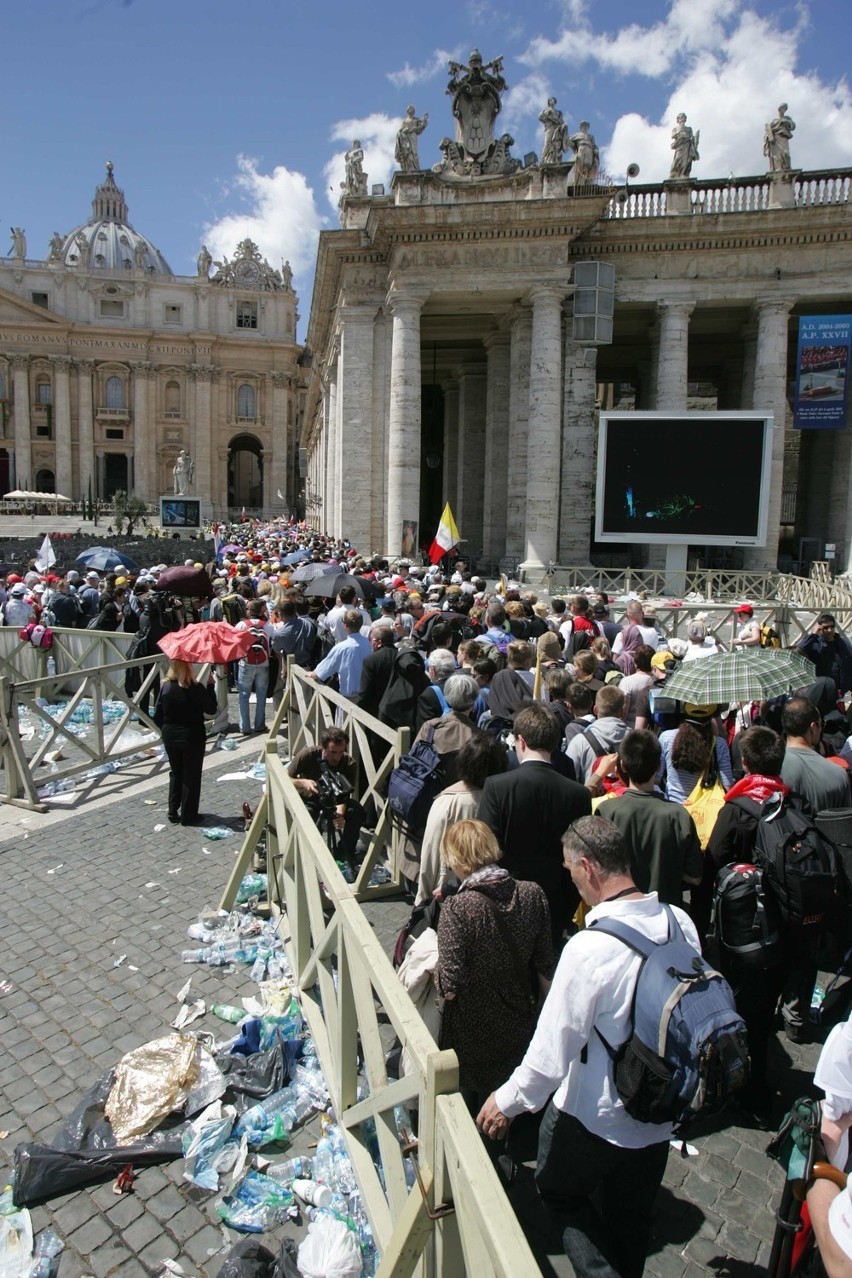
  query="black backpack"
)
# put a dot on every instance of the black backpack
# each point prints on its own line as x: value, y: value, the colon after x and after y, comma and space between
x: 413, y: 784
x: 801, y: 868
x: 746, y: 918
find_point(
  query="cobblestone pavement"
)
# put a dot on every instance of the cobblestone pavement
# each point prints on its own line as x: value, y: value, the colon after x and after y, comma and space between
x: 83, y: 887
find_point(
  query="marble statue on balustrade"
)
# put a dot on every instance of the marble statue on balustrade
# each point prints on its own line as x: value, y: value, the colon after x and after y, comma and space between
x: 776, y: 141
x: 140, y: 255
x: 182, y: 473
x: 203, y: 262
x: 410, y: 129
x: 587, y: 157
x: 685, y: 148
x: 287, y: 276
x: 476, y: 90
x: 355, y: 182
x: 57, y: 244
x: 555, y: 133
x: 84, y: 252
x: 18, y: 247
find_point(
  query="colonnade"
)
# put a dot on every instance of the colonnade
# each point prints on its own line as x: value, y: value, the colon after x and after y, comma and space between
x: 519, y: 421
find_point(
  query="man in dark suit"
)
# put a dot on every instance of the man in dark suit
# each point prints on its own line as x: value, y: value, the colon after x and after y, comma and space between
x: 530, y: 808
x: 376, y: 670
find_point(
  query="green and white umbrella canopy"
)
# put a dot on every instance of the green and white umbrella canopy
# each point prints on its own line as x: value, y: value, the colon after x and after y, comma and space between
x: 744, y: 675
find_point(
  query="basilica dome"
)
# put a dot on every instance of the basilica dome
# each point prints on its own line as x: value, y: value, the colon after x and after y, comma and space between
x: 107, y: 241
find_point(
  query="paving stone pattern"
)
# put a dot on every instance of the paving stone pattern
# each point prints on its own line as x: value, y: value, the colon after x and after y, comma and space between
x: 82, y: 889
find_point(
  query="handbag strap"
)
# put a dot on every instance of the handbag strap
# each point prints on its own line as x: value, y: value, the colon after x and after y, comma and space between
x: 521, y: 970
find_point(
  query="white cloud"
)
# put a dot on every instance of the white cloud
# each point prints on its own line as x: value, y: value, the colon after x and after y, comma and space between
x: 521, y: 107
x: 280, y: 215
x: 723, y: 64
x: 433, y: 66
x: 377, y: 135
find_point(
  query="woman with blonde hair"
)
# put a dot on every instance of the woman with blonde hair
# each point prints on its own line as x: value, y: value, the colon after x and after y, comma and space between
x: 179, y: 713
x: 495, y: 958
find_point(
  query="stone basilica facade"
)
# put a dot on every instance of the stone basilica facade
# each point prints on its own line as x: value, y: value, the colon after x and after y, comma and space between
x: 110, y: 364
x: 455, y: 359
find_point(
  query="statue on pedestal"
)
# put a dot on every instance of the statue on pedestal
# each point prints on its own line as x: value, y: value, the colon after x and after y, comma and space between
x: 203, y: 262
x: 287, y: 276
x: 555, y: 133
x: 56, y: 245
x: 84, y: 253
x: 183, y: 472
x: 587, y: 159
x: 410, y: 129
x: 356, y: 178
x: 19, y: 243
x: 685, y: 147
x: 776, y: 141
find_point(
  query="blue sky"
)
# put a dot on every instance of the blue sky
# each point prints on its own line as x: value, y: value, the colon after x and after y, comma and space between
x: 226, y: 120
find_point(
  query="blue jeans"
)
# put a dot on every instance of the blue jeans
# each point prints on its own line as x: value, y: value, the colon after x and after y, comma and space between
x: 256, y: 677
x: 607, y: 1237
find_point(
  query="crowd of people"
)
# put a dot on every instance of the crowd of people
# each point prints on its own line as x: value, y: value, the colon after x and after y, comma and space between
x: 568, y: 782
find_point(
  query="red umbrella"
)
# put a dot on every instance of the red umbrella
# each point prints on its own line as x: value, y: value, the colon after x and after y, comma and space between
x: 214, y: 641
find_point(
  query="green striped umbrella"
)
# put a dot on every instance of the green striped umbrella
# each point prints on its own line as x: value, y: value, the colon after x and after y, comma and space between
x: 751, y: 674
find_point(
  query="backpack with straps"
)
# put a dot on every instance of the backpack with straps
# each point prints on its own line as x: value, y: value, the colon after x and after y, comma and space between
x: 687, y: 1052
x: 746, y: 917
x: 413, y: 784
x: 800, y: 865
x: 769, y: 637
x: 258, y: 653
x: 232, y: 608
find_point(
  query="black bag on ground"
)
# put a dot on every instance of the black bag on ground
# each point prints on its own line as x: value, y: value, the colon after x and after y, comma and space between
x: 801, y: 868
x: 413, y: 784
x: 745, y: 919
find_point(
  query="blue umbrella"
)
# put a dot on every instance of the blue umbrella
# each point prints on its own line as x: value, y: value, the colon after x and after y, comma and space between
x: 296, y: 557
x: 105, y: 559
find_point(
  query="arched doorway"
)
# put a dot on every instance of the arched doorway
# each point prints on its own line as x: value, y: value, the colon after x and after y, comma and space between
x: 45, y: 482
x: 245, y: 472
x: 5, y: 465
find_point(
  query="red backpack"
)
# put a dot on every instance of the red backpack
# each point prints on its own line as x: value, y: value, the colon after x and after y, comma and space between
x: 258, y: 653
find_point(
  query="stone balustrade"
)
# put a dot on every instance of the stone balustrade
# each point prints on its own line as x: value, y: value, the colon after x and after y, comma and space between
x: 735, y: 195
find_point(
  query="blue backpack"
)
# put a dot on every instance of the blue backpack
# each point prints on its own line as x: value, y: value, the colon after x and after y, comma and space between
x: 413, y: 784
x: 687, y: 1051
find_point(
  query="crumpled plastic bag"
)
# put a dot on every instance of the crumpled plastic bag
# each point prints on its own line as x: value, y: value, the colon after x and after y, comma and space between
x: 330, y: 1251
x: 256, y: 1205
x: 204, y: 1146
x: 209, y: 1085
x: 150, y: 1082
x: 16, y: 1245
x: 250, y: 1259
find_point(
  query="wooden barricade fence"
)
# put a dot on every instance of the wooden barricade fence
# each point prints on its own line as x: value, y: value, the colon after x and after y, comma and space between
x: 455, y: 1219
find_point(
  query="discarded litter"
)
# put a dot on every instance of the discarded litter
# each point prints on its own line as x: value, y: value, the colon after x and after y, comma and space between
x: 16, y: 1243
x: 158, y: 828
x: 122, y: 958
x: 252, y: 885
x: 217, y: 832
x: 188, y: 1013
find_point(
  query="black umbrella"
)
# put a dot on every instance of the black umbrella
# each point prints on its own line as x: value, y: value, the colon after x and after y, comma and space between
x: 184, y: 579
x: 328, y: 587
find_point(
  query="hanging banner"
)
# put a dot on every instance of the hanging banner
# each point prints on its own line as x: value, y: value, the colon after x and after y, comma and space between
x: 821, y: 365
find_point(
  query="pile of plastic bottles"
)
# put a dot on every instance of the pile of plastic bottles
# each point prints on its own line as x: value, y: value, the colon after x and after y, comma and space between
x: 237, y: 937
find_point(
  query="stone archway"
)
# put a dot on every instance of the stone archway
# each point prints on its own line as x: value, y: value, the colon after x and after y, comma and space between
x: 45, y: 481
x: 245, y: 472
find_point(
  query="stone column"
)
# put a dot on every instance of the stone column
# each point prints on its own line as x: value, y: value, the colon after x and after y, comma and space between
x: 451, y: 443
x: 382, y: 333
x: 673, y: 344
x: 203, y: 488
x: 543, y: 442
x: 519, y: 412
x: 770, y: 395
x: 578, y: 450
x: 280, y: 436
x: 332, y: 472
x: 85, y: 427
x: 471, y: 456
x: 142, y: 431
x: 62, y: 424
x: 403, y: 467
x: 355, y: 409
x: 23, y: 437
x: 496, y: 447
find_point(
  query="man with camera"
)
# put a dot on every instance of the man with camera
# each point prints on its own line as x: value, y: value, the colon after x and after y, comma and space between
x: 324, y: 775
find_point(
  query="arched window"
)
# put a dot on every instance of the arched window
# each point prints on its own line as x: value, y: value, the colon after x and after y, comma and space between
x: 114, y: 389
x: 44, y: 390
x: 246, y: 401
x: 173, y: 399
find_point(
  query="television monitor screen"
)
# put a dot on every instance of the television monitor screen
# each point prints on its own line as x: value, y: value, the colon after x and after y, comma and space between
x: 680, y: 478
x: 180, y: 512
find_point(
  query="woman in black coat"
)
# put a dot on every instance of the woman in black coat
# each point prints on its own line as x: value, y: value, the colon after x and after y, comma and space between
x: 179, y: 713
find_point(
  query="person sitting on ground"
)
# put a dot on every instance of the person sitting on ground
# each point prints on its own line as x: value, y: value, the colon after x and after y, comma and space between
x: 308, y: 772
x: 664, y: 848
x: 479, y: 758
x: 687, y: 752
x: 603, y: 737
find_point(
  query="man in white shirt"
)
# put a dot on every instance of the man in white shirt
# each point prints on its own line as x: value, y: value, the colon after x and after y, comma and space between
x: 347, y: 599
x: 588, y: 1144
x: 634, y: 615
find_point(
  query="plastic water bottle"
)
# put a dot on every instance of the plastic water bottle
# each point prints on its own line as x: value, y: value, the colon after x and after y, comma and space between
x: 47, y: 1248
x: 260, y: 1116
x: 292, y: 1169
x: 313, y: 1193
x: 194, y: 956
x: 225, y: 1012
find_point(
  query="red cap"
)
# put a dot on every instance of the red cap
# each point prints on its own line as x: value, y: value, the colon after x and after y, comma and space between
x: 745, y: 609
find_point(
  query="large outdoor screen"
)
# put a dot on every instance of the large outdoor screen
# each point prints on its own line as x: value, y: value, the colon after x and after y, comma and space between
x: 180, y: 512
x: 684, y: 478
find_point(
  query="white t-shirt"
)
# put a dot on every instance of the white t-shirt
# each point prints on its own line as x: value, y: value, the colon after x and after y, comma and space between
x: 650, y: 636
